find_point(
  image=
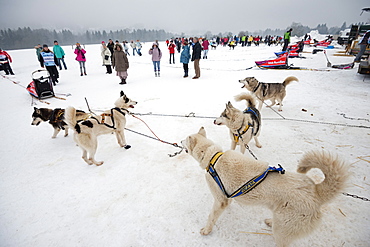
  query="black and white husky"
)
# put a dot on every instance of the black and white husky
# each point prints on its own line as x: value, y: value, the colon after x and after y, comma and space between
x: 55, y: 117
x: 87, y: 132
x: 243, y: 125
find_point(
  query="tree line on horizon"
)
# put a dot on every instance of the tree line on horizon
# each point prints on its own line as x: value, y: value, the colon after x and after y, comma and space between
x: 23, y: 38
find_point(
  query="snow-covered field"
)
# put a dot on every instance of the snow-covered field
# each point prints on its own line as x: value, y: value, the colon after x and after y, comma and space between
x: 143, y: 197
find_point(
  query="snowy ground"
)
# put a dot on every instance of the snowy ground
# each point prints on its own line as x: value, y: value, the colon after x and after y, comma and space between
x: 141, y: 196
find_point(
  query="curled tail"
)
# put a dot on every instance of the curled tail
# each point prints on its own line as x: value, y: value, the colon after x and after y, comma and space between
x: 70, y: 118
x: 289, y: 79
x: 335, y: 171
x: 251, y: 101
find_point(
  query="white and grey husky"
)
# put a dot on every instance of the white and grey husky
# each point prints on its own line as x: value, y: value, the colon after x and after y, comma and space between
x: 294, y: 199
x: 243, y: 125
x: 267, y: 91
x: 87, y: 132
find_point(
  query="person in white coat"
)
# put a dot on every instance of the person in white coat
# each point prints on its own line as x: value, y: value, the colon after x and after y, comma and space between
x: 106, y: 55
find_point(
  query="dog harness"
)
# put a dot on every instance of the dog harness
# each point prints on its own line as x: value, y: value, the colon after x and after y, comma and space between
x: 57, y: 117
x: 264, y: 88
x: 110, y: 115
x: 249, y: 110
x: 248, y: 186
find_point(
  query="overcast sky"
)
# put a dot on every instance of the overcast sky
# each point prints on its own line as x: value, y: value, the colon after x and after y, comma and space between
x: 189, y: 16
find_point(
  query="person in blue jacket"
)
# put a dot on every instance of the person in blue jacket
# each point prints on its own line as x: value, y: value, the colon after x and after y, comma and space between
x: 185, y: 57
x: 49, y: 60
x: 59, y: 53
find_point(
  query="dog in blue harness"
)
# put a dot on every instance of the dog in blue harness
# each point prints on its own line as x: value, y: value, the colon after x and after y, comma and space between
x: 243, y: 125
x: 294, y: 198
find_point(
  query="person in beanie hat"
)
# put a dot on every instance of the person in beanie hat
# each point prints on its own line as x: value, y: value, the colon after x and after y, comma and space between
x: 49, y: 60
x: 59, y: 53
x: 120, y: 63
x: 5, y: 60
x: 106, y: 55
x: 185, y: 57
x: 80, y: 52
x: 156, y: 58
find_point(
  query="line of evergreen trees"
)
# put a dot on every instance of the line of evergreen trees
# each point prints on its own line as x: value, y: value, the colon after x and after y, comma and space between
x: 22, y: 38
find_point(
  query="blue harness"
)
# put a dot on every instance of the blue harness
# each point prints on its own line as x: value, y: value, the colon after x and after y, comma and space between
x: 248, y: 186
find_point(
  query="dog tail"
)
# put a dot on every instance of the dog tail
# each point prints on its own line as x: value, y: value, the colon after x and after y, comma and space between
x: 70, y: 117
x: 289, y: 79
x: 251, y: 101
x: 335, y: 171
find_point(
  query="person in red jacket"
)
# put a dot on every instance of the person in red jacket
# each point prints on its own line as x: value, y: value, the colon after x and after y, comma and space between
x: 5, y: 61
x: 172, y: 47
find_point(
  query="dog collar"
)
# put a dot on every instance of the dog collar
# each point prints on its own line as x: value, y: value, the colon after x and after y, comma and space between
x: 245, y: 188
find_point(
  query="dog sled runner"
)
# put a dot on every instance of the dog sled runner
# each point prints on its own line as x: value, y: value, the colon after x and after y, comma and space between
x: 41, y: 86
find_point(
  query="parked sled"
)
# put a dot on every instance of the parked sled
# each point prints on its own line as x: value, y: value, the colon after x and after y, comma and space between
x: 41, y: 87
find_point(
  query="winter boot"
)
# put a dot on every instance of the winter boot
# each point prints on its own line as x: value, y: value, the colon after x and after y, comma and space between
x: 155, y: 73
x: 159, y: 74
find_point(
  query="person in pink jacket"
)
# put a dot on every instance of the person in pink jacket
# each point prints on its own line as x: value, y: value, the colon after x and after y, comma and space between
x: 205, y: 45
x: 80, y: 52
x: 156, y: 58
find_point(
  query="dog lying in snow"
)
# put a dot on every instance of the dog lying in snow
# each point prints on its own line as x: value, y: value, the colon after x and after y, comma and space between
x: 86, y: 132
x: 267, y: 91
x: 55, y: 118
x: 294, y: 199
x: 243, y: 125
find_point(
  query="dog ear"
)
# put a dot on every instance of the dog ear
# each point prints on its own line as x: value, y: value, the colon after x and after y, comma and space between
x: 34, y: 108
x: 229, y: 105
x: 122, y: 93
x: 202, y: 132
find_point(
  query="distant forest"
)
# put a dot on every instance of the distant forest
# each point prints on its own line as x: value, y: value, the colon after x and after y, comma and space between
x: 23, y: 38
x: 28, y: 38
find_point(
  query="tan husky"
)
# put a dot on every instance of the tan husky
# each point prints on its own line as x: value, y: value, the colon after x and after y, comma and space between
x: 243, y: 125
x: 294, y: 199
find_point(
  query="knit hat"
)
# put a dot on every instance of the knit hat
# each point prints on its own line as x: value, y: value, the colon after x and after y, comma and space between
x: 103, y: 42
x: 44, y: 45
x: 55, y: 41
x: 78, y: 44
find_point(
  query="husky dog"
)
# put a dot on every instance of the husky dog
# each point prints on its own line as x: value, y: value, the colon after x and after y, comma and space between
x: 242, y: 125
x: 267, y: 91
x: 295, y: 199
x: 87, y: 132
x: 55, y: 118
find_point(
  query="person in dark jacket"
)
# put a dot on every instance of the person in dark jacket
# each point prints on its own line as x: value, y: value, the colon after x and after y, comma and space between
x: 49, y: 60
x: 195, y: 57
x: 120, y: 63
x: 110, y: 46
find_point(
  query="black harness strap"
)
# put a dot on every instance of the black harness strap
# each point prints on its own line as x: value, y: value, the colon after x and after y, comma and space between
x: 110, y: 115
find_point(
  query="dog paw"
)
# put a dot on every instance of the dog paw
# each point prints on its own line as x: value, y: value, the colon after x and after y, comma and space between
x: 127, y: 146
x: 99, y: 163
x: 65, y: 135
x: 205, y: 231
x: 268, y: 222
x: 259, y: 145
x: 53, y: 137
